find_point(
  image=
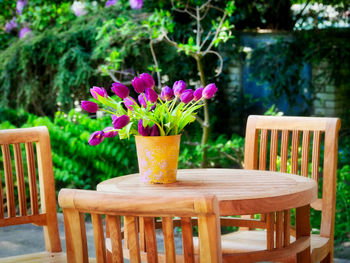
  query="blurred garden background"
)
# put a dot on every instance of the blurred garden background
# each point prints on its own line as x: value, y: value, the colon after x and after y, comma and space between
x: 273, y: 57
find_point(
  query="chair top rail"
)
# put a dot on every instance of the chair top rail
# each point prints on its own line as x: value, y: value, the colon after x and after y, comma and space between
x: 123, y: 204
x: 294, y: 123
x: 34, y: 134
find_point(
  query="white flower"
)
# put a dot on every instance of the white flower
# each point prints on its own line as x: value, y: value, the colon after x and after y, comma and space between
x: 78, y: 8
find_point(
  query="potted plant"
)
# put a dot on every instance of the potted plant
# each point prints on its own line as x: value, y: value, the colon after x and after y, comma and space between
x: 156, y: 120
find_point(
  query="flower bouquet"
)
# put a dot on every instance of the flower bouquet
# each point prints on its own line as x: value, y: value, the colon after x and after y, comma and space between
x: 156, y: 120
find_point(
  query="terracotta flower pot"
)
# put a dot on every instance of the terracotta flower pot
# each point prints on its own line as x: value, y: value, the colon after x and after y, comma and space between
x: 158, y: 157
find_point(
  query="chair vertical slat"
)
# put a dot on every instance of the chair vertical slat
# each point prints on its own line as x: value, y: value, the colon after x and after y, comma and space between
x: 316, y: 146
x: 270, y: 222
x: 142, y: 234
x: 33, y: 190
x: 263, y: 149
x: 286, y: 228
x: 273, y: 150
x: 284, y: 150
x: 279, y: 229
x: 187, y: 239
x: 169, y: 244
x: 133, y: 238
x: 10, y: 193
x: 114, y: 228
x: 151, y: 241
x: 21, y: 188
x: 1, y: 200
x: 295, y: 150
x: 100, y: 245
x: 305, y: 154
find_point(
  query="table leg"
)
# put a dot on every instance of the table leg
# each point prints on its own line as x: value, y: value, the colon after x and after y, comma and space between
x: 302, y: 222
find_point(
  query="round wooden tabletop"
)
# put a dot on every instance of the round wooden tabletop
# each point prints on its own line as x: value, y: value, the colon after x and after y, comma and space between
x: 239, y: 191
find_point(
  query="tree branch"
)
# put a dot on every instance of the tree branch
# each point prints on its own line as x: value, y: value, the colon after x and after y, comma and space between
x: 217, y: 32
x: 221, y: 61
x: 155, y: 63
x: 301, y: 12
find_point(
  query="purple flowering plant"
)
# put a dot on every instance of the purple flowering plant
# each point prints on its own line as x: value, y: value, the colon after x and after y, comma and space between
x: 151, y: 114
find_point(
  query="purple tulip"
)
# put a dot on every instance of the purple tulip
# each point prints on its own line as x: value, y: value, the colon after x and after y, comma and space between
x: 197, y: 94
x: 209, y: 91
x: 178, y: 87
x: 20, y: 5
x: 186, y: 96
x: 110, y: 2
x: 129, y: 102
x: 154, y: 131
x: 109, y: 132
x: 138, y: 84
x: 148, y: 80
x: 100, y: 91
x: 136, y: 4
x: 89, y: 106
x: 143, y: 131
x: 96, y: 138
x: 10, y: 25
x: 121, y: 122
x: 151, y: 95
x: 24, y: 31
x: 114, y: 117
x: 142, y: 100
x: 120, y: 90
x: 167, y: 93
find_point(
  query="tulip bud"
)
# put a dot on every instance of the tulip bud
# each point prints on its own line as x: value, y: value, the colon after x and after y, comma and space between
x: 108, y: 133
x: 148, y: 80
x: 100, y: 91
x: 209, y: 91
x: 89, y: 106
x: 120, y: 90
x: 129, y: 102
x: 142, y: 100
x: 114, y: 117
x: 151, y: 95
x: 167, y: 93
x: 96, y: 138
x: 143, y: 131
x: 186, y: 96
x: 178, y: 87
x: 138, y: 84
x: 197, y: 94
x: 154, y: 130
x: 121, y: 122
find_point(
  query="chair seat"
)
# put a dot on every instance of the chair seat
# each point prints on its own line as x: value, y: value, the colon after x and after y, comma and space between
x: 41, y: 257
x: 255, y: 240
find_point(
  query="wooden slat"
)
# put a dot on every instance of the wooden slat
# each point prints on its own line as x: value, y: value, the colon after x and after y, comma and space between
x: 284, y: 151
x: 316, y: 146
x: 142, y: 234
x: 10, y: 194
x: 273, y: 150
x: 270, y: 222
x: 263, y: 149
x: 240, y: 222
x: 305, y: 154
x: 151, y: 241
x: 114, y: 227
x: 33, y: 190
x: 169, y: 244
x: 100, y: 245
x: 38, y: 220
x: 279, y: 229
x: 187, y: 239
x: 133, y: 238
x: 20, y: 179
x: 295, y: 151
x: 302, y: 222
x: 286, y: 228
x: 1, y: 200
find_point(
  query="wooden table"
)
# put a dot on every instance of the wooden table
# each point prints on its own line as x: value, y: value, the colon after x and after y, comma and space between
x: 240, y: 192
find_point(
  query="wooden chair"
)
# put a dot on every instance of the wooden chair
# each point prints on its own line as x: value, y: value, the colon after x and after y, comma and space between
x: 76, y: 203
x: 45, y: 215
x: 264, y: 134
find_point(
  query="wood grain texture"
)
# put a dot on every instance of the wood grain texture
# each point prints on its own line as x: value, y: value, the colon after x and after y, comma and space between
x: 284, y: 151
x: 10, y: 192
x: 21, y: 189
x: 273, y: 150
x: 263, y: 149
x: 187, y: 239
x: 169, y: 243
x: 305, y: 154
x: 100, y: 246
x: 2, y: 214
x: 151, y: 241
x: 33, y: 190
x: 316, y: 147
x: 133, y: 238
x: 295, y: 152
x: 114, y: 227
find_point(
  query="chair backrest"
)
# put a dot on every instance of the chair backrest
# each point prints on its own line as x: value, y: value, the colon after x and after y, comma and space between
x: 14, y: 144
x: 302, y: 141
x: 76, y: 203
